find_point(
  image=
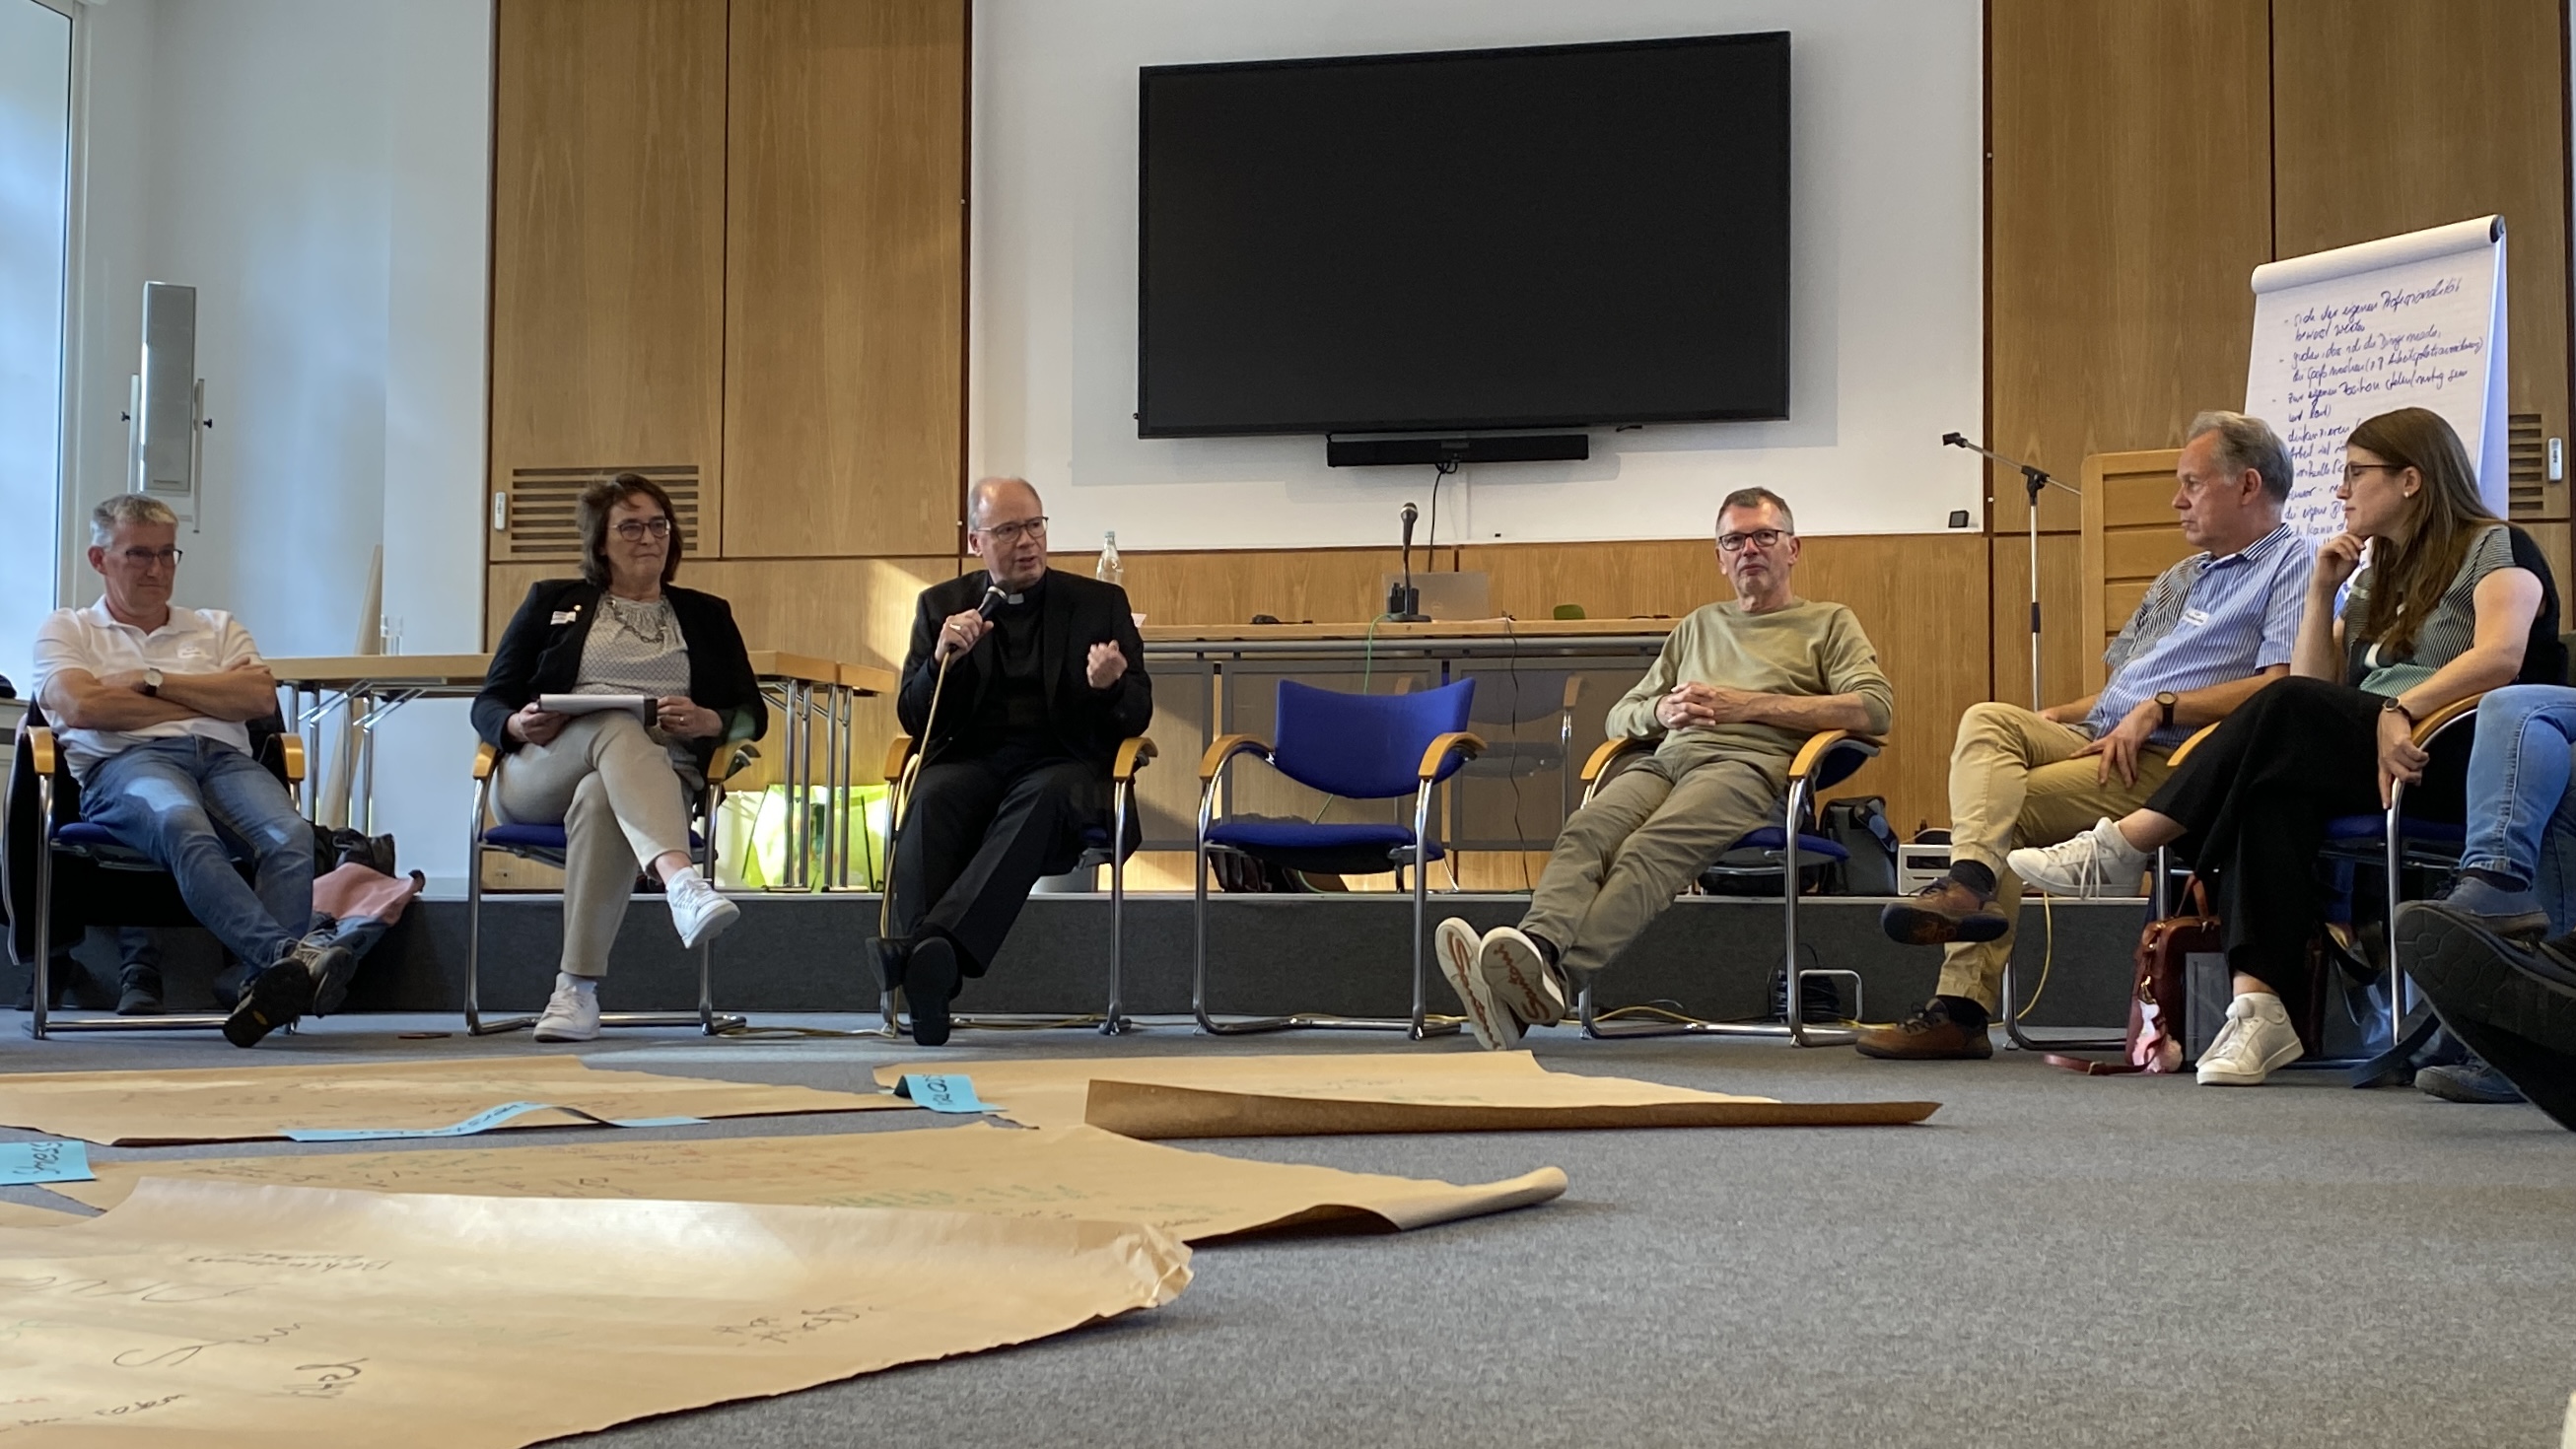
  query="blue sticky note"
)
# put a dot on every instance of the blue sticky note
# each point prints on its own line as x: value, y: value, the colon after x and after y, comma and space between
x: 941, y: 1091
x: 29, y: 1162
x: 483, y: 1121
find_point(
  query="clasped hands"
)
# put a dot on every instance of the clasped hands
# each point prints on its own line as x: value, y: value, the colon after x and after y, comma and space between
x: 1696, y: 706
x: 1104, y: 666
x: 676, y: 714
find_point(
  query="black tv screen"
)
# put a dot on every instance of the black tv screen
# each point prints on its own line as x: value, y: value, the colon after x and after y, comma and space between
x: 1553, y: 236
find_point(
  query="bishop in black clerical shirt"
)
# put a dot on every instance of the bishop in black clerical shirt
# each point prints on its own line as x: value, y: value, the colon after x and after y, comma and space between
x: 1015, y: 767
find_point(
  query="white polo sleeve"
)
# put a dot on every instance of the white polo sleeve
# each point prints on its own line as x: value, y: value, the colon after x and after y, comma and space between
x: 61, y: 643
x: 237, y: 648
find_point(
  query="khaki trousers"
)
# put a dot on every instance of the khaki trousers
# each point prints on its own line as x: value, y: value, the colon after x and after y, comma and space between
x: 622, y: 805
x: 1621, y: 859
x: 2014, y: 781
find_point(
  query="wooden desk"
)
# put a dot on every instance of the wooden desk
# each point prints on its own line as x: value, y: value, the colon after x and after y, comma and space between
x: 367, y: 688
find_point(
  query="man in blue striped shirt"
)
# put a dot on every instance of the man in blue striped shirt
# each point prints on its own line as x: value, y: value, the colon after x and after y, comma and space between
x: 2211, y: 630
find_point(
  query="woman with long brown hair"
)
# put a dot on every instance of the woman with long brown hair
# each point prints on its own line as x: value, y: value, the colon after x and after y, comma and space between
x: 2453, y: 603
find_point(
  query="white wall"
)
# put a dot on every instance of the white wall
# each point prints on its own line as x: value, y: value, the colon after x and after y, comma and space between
x: 1886, y: 294
x: 320, y: 171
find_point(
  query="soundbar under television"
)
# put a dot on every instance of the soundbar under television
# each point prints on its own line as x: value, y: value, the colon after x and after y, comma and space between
x: 1544, y: 237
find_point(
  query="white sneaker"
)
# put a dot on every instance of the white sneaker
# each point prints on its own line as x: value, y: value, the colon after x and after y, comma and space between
x: 698, y: 910
x: 571, y: 1014
x: 2100, y: 862
x: 2257, y: 1040
x: 1516, y: 972
x: 1458, y: 948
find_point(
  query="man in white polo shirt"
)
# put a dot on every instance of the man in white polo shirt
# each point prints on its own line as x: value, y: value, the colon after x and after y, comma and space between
x: 149, y: 704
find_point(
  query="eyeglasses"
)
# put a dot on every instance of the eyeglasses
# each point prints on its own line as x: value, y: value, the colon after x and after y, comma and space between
x: 2352, y: 471
x: 146, y: 557
x: 1763, y: 538
x: 634, y: 529
x: 1015, y: 531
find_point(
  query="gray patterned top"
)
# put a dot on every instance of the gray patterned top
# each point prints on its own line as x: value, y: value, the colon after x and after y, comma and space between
x: 636, y: 649
x: 2445, y: 635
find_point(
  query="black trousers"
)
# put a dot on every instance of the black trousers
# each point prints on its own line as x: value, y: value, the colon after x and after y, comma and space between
x: 976, y: 837
x: 2254, y: 800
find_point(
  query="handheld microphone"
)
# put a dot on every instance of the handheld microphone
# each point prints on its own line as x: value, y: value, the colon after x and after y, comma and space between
x: 994, y: 599
x: 1410, y: 513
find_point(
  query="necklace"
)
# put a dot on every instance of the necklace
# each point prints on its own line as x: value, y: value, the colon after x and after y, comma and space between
x: 649, y: 623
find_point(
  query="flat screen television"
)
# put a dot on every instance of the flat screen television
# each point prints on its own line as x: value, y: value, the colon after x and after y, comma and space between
x: 1541, y: 237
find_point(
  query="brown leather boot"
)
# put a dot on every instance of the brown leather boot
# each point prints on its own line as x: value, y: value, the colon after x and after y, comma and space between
x: 1930, y: 1034
x: 1947, y: 910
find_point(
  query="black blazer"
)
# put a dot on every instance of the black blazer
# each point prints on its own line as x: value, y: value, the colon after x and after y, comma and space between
x: 539, y: 655
x: 1078, y: 613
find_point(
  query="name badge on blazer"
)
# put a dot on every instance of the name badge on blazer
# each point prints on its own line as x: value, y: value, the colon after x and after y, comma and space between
x: 565, y: 616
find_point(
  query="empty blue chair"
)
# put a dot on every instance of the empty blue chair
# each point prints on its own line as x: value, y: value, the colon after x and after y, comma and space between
x: 1353, y: 747
x: 1826, y: 760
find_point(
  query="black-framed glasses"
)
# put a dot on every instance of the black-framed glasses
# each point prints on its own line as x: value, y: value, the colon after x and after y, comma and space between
x: 1013, y: 532
x: 1762, y: 538
x: 633, y: 530
x: 146, y: 557
x: 2352, y: 471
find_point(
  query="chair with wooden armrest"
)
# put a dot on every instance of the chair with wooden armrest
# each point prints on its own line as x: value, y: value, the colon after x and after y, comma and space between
x: 2389, y: 839
x: 60, y: 874
x: 1100, y: 846
x: 1351, y: 747
x: 1826, y: 760
x: 546, y: 844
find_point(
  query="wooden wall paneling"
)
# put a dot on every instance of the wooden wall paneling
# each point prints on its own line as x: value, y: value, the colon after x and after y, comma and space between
x: 1323, y: 586
x: 2130, y: 536
x: 845, y: 306
x: 607, y: 253
x: 2128, y: 201
x: 2061, y: 607
x: 2393, y: 115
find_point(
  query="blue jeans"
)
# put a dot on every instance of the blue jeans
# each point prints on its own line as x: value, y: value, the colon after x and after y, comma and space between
x: 193, y: 806
x: 2522, y: 819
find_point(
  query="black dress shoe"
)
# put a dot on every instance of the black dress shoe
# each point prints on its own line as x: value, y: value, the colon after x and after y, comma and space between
x: 930, y: 979
x: 141, y: 992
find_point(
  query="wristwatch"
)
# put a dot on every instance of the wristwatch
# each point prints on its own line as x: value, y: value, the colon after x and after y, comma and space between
x: 2393, y: 705
x: 2166, y: 699
x: 152, y: 682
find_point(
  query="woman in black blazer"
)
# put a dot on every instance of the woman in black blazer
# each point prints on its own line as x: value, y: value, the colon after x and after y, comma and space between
x: 619, y: 784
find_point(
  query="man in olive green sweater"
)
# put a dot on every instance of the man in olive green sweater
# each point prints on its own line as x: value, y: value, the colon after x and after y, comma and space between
x: 1740, y: 686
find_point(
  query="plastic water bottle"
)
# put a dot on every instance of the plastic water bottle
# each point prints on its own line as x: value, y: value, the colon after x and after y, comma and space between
x: 1108, y: 570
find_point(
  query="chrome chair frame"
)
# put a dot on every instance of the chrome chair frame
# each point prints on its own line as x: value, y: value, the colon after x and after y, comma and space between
x: 1134, y: 753
x: 1812, y: 761
x: 1417, y: 1026
x: 706, y: 1018
x: 40, y: 1025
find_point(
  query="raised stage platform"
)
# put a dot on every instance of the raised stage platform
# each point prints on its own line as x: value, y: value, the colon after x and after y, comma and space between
x: 1712, y: 956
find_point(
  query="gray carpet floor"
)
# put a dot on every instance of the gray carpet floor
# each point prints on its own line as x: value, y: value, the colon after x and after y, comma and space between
x: 2050, y: 1261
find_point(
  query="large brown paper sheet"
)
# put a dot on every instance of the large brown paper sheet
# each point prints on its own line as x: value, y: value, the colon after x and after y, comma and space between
x: 1055, y: 1172
x: 286, y: 1317
x: 1290, y: 1096
x: 254, y: 1103
x: 27, y: 1215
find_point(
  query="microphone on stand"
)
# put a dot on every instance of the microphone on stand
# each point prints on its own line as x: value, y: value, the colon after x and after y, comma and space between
x: 2034, y: 479
x: 1404, y: 601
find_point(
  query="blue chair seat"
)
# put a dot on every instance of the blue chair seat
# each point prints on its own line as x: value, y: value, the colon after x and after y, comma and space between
x: 1810, y: 847
x: 1342, y: 849
x: 549, y: 838
x: 85, y: 835
x: 2369, y: 829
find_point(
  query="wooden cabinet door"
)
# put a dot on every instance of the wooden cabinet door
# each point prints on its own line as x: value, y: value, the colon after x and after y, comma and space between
x: 607, y: 263
x: 2394, y: 115
x: 845, y: 278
